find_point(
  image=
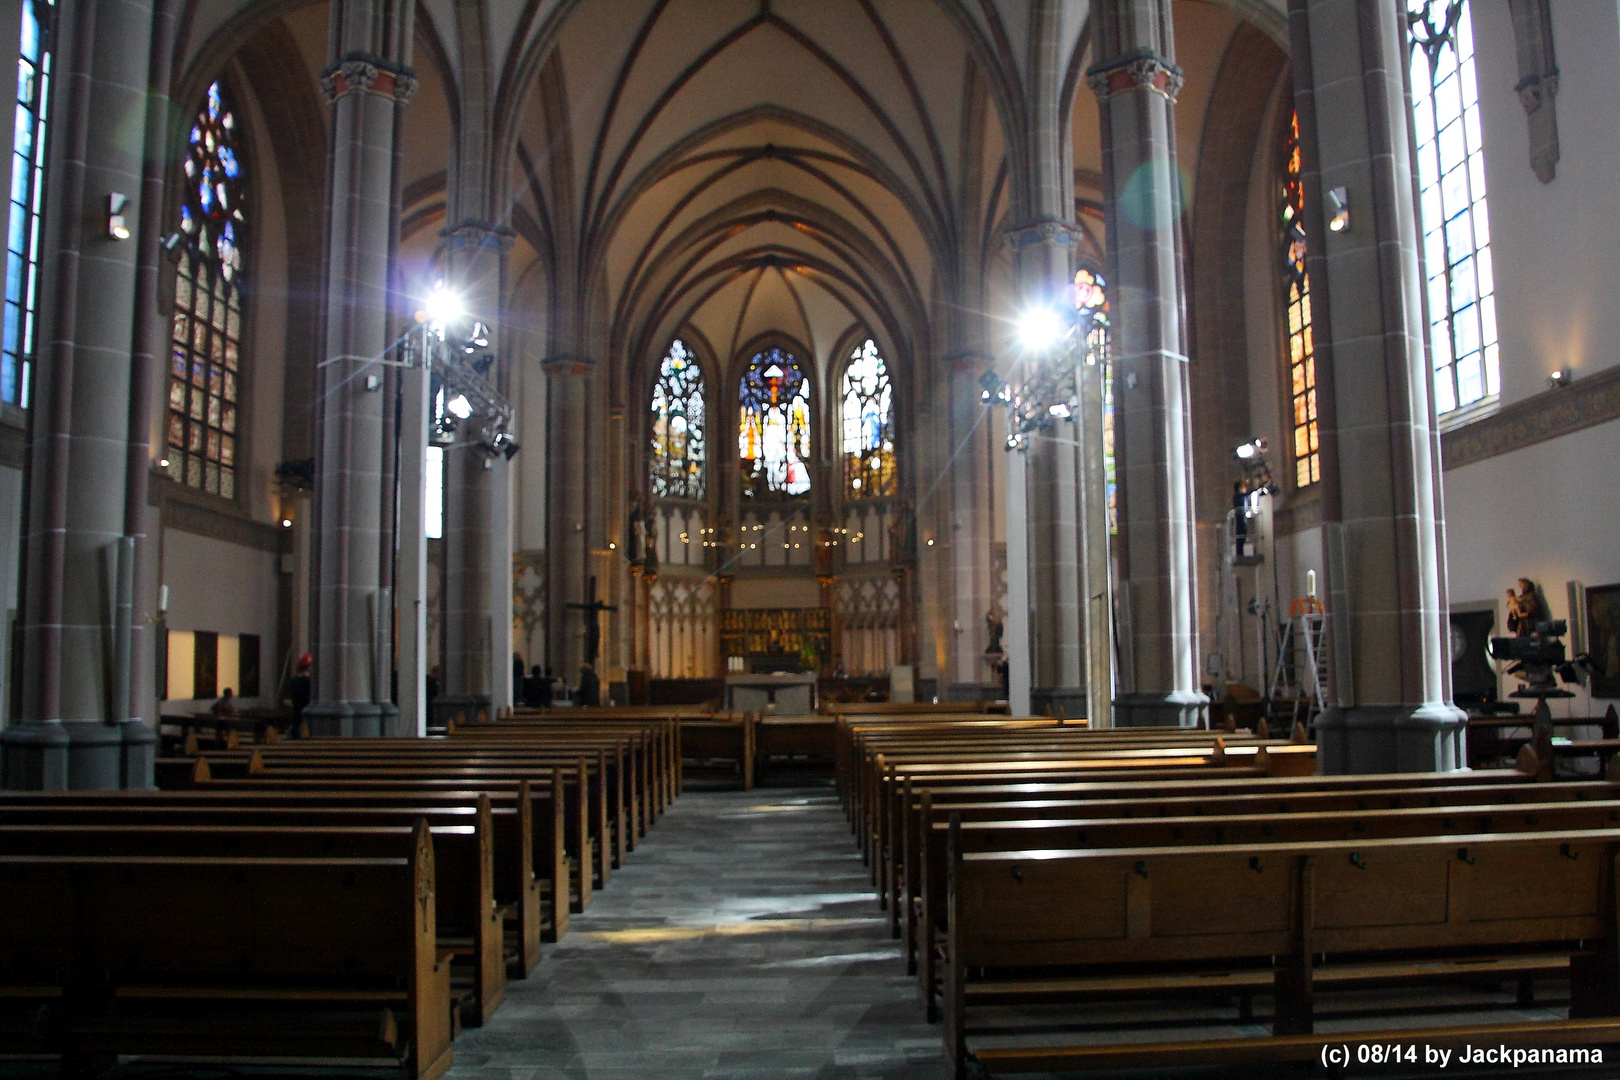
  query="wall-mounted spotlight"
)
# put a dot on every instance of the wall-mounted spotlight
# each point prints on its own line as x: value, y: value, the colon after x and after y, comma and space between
x: 117, y: 227
x: 373, y: 383
x: 504, y: 444
x: 1560, y: 378
x: 459, y: 407
x: 1338, y: 208
x: 1249, y: 450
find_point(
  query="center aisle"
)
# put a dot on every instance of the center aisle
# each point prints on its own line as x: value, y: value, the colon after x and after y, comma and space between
x: 739, y: 940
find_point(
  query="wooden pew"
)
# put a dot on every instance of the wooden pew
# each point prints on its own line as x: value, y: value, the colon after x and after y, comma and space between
x: 520, y: 897
x: 572, y: 873
x: 928, y: 931
x: 721, y: 737
x: 1298, y: 916
x: 538, y: 812
x: 223, y: 957
x: 927, y: 810
x: 614, y: 795
x: 661, y: 729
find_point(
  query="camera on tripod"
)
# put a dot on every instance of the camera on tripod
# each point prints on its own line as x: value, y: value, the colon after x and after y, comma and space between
x: 1538, y: 659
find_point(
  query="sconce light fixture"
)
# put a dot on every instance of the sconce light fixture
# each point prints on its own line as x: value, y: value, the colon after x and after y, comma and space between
x: 117, y: 227
x: 1338, y: 208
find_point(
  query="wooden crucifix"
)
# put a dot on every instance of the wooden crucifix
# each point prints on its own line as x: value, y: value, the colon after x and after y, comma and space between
x: 593, y: 609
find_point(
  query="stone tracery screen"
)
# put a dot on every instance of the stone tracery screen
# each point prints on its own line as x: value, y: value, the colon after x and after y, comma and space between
x: 773, y: 429
x: 1451, y: 203
x: 869, y: 458
x: 206, y: 340
x: 678, y: 447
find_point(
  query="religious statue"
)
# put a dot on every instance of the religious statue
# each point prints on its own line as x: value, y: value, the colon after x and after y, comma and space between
x: 994, y: 628
x: 1525, y: 609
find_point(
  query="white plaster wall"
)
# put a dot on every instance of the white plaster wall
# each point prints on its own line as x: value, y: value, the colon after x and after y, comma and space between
x: 1556, y: 246
x: 1547, y: 512
x: 226, y: 589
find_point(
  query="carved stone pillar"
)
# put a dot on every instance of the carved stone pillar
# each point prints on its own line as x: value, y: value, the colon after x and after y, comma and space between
x: 1389, y: 695
x: 1136, y: 80
x: 477, y: 505
x: 567, y: 478
x: 367, y: 84
x: 77, y: 728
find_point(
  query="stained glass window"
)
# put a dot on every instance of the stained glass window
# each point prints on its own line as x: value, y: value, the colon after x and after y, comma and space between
x: 26, y: 212
x: 1451, y: 202
x: 206, y: 344
x: 677, y: 426
x: 869, y: 467
x: 773, y: 430
x: 1091, y: 294
x: 1297, y: 313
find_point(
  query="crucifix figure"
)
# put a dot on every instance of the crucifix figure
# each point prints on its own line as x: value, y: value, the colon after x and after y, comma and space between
x: 593, y: 609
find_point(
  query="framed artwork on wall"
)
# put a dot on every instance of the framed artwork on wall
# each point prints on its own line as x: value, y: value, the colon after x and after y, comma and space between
x: 1603, y: 639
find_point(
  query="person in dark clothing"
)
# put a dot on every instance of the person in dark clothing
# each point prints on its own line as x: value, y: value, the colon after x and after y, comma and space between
x: 433, y: 684
x: 300, y: 690
x: 517, y: 677
x: 590, y: 687
x: 224, y: 711
x: 536, y: 691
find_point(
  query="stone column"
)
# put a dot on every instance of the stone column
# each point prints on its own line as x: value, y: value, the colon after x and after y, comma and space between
x: 568, y: 542
x: 965, y: 442
x: 411, y: 566
x: 78, y: 640
x: 1136, y: 81
x: 367, y: 83
x: 1383, y: 523
x: 477, y: 506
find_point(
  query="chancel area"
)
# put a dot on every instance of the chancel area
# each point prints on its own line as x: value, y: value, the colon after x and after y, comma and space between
x: 738, y: 518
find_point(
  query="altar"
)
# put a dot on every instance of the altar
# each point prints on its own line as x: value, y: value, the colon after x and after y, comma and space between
x: 781, y: 694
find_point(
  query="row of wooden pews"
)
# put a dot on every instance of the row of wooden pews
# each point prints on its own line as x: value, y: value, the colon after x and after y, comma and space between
x: 330, y: 899
x: 1044, y: 878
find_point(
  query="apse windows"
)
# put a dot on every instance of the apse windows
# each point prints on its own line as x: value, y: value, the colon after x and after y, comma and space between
x: 869, y: 465
x: 1296, y: 285
x: 677, y: 426
x: 205, y: 359
x: 27, y: 199
x: 773, y: 430
x: 1451, y: 199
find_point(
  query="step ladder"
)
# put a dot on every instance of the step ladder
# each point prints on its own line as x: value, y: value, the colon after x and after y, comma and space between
x: 1305, y: 630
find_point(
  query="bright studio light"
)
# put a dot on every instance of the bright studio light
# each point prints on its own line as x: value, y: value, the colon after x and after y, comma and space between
x: 459, y: 407
x: 1248, y: 450
x: 442, y: 307
x: 1040, y: 328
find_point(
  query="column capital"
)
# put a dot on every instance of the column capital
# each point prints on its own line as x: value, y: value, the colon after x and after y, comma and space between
x: 1141, y: 70
x: 567, y: 364
x: 368, y: 74
x: 477, y: 234
x: 1045, y: 231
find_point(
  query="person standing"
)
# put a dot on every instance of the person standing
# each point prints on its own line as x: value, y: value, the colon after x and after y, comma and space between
x: 590, y: 687
x: 224, y: 711
x: 300, y: 691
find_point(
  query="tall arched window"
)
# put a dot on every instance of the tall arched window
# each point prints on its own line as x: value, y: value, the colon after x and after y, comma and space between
x: 1296, y: 283
x: 1451, y: 201
x: 773, y: 430
x: 26, y: 211
x: 206, y: 344
x: 677, y: 426
x: 869, y: 467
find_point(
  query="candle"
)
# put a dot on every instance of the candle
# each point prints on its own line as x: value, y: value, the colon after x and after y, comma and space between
x: 163, y: 598
x: 1310, y: 584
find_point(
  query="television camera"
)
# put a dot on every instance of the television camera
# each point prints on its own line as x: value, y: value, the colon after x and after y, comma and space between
x: 1539, y: 661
